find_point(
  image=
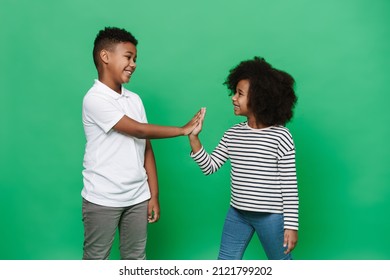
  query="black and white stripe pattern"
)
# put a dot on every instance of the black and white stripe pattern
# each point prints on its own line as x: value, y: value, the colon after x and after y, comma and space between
x: 263, y: 174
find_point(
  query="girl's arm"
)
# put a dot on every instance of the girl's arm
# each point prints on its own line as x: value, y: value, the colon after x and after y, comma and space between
x: 289, y: 189
x: 287, y: 171
x: 207, y: 163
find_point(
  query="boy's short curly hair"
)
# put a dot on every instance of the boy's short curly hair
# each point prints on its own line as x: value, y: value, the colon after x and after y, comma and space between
x: 271, y: 92
x: 108, y: 38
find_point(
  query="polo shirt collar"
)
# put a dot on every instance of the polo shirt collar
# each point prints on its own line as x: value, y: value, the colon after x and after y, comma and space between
x: 110, y: 92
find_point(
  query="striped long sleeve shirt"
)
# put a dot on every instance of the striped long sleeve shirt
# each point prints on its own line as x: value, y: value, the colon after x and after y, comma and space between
x: 263, y: 172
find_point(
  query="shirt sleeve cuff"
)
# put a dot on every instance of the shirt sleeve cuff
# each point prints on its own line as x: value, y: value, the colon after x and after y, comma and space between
x: 197, y: 154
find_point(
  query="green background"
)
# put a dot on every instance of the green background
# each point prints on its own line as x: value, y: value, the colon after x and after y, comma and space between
x: 338, y: 52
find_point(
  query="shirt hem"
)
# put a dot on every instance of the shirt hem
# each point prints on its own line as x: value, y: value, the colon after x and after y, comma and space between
x: 111, y: 203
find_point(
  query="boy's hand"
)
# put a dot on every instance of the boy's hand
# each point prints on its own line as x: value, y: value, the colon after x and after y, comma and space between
x: 153, y: 210
x: 290, y: 240
x: 198, y: 128
x: 189, y: 127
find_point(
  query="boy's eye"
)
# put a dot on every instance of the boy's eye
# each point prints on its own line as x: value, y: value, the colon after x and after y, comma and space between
x: 130, y: 57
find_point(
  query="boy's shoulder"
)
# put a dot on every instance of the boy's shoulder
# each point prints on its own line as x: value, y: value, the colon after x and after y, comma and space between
x: 97, y: 89
x: 100, y: 90
x: 129, y: 93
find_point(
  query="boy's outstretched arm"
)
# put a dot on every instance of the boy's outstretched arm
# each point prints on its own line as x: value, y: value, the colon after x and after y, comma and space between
x: 195, y: 143
x: 150, y: 131
x: 151, y: 171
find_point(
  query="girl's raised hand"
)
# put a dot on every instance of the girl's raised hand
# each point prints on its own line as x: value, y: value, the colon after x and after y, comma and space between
x: 198, y: 128
x: 194, y: 122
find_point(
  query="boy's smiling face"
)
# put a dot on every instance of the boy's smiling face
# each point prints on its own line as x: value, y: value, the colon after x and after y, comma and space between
x: 121, y: 62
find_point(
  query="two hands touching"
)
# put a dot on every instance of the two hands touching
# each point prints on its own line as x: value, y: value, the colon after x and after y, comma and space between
x: 198, y: 128
x: 194, y: 126
x: 195, y: 143
x: 192, y: 129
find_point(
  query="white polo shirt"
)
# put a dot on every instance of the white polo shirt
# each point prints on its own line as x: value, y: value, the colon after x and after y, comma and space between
x: 114, y: 173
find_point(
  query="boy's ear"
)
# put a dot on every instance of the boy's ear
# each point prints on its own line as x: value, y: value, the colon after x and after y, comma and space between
x: 104, y: 56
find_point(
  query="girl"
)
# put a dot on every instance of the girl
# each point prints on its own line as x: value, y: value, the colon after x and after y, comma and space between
x: 264, y: 194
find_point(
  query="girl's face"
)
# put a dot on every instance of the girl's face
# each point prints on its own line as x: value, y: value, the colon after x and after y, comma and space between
x: 240, y: 99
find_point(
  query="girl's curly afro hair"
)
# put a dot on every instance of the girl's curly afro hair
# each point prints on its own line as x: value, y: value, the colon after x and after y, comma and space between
x: 271, y: 91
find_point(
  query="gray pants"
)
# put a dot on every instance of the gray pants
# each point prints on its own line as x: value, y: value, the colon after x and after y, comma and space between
x: 100, y: 224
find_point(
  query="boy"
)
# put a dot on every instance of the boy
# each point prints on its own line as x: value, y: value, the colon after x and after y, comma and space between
x: 120, y: 178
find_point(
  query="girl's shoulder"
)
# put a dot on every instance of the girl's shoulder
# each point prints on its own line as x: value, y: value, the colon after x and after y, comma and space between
x: 277, y: 131
x: 281, y: 129
x: 238, y: 126
x: 283, y: 135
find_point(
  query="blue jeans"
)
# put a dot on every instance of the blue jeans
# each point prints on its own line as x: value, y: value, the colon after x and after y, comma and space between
x: 238, y: 231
